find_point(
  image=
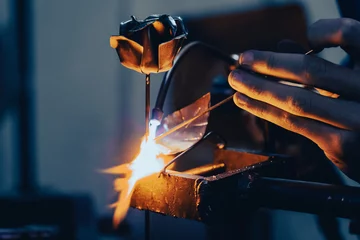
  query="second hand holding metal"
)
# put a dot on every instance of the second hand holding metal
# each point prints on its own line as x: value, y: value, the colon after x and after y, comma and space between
x: 187, y: 122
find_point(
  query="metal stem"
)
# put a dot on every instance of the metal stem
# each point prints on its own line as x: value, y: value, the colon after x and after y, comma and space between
x: 147, y: 104
x: 147, y: 225
x: 147, y: 121
x: 26, y: 117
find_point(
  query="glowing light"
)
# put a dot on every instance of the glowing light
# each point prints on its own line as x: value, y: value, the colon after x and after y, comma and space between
x: 147, y: 162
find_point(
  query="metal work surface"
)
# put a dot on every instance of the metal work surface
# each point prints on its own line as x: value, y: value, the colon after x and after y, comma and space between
x: 171, y: 194
x: 203, y: 196
x: 236, y: 185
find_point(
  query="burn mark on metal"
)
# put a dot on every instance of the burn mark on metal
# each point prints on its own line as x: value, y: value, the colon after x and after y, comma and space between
x: 171, y: 194
x: 198, y: 196
x: 236, y: 185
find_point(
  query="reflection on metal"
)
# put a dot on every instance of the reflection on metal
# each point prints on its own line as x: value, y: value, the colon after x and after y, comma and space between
x: 186, y: 136
x: 184, y: 125
x: 207, y: 170
x: 220, y: 145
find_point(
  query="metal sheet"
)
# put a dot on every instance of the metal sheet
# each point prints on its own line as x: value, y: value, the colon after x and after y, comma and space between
x: 208, y: 199
x: 173, y: 194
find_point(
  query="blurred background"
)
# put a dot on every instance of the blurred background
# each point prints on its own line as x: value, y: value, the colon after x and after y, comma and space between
x: 86, y: 110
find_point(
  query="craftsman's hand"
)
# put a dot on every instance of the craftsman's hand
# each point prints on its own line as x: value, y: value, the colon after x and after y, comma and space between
x: 332, y: 123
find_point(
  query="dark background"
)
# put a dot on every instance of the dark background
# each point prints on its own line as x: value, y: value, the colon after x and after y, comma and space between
x: 87, y: 110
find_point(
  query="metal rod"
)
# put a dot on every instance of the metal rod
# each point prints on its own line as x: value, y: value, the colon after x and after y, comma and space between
x: 147, y: 104
x: 25, y: 121
x: 309, y: 52
x: 147, y: 225
x: 308, y: 197
x: 187, y: 122
x: 147, y: 121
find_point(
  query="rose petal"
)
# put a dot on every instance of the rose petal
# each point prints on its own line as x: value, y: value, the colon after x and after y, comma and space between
x: 149, y: 46
x: 181, y: 29
x: 167, y: 53
x: 129, y: 52
x: 149, y: 61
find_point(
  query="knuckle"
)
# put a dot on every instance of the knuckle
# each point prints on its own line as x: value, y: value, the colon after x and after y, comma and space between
x: 261, y: 112
x: 313, y: 66
x: 338, y: 141
x: 298, y: 104
x: 269, y: 97
x: 289, y: 121
x: 271, y: 62
x: 343, y: 144
x: 313, y: 30
x: 349, y: 28
x: 255, y: 91
x: 342, y: 150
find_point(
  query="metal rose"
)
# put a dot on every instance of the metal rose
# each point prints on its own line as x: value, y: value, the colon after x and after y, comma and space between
x: 149, y: 46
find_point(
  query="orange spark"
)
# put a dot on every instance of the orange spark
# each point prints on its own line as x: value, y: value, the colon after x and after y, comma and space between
x: 146, y: 163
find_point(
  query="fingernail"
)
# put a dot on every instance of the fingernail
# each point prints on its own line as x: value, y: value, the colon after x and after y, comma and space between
x: 241, y: 99
x: 233, y: 77
x: 246, y: 58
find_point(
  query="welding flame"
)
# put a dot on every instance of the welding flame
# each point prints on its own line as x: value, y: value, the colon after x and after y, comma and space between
x: 146, y: 163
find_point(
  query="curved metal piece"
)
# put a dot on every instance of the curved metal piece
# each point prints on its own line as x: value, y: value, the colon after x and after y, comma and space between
x: 183, y: 128
x: 221, y: 145
x: 176, y: 82
x: 183, y: 91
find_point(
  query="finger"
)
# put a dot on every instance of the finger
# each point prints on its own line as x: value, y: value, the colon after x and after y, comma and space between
x: 318, y: 132
x: 343, y: 32
x: 338, y: 145
x: 297, y: 101
x: 289, y: 46
x: 304, y: 69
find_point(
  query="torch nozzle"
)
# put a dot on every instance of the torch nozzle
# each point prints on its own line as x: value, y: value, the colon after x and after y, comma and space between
x: 157, y: 114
